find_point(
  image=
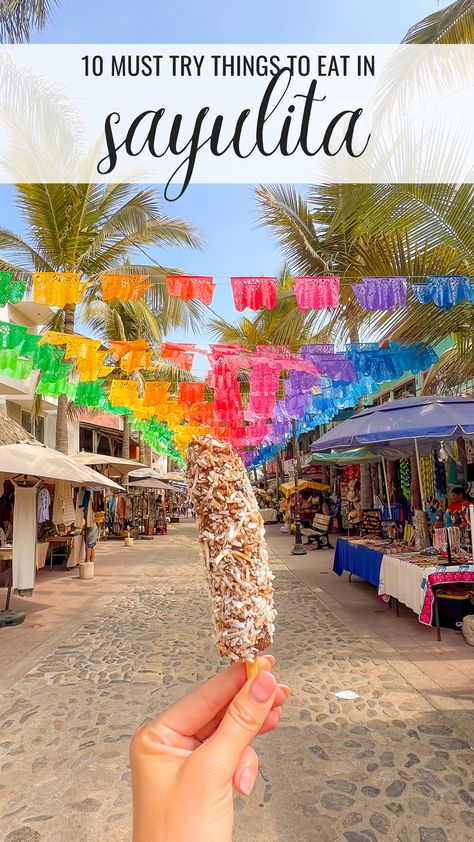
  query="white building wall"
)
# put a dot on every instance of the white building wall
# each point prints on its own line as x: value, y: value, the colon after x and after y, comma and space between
x: 50, y: 429
x: 18, y: 395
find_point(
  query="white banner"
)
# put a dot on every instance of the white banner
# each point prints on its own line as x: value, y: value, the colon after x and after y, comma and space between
x: 173, y: 115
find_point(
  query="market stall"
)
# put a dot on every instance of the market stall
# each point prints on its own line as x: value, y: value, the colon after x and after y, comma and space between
x: 415, y: 579
x: 411, y: 577
x: 311, y: 500
x: 415, y: 553
x: 38, y: 482
x: 153, y: 504
x: 395, y: 430
x: 358, y: 559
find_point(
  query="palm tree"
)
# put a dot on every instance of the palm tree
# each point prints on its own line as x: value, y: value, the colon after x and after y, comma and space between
x: 131, y: 320
x: 377, y: 229
x: 90, y: 229
x: 19, y: 17
x: 358, y: 230
x: 387, y: 229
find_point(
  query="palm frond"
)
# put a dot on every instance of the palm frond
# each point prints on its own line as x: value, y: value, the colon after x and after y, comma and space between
x: 452, y: 25
x: 19, y: 17
x: 285, y: 211
x: 454, y: 373
x: 409, y: 75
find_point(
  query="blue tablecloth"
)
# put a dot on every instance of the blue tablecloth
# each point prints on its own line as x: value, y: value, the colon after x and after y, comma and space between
x: 359, y: 560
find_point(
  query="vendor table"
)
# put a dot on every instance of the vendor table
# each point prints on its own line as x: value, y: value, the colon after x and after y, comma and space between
x: 269, y: 515
x: 400, y: 576
x: 358, y: 560
x: 415, y: 585
x: 56, y: 541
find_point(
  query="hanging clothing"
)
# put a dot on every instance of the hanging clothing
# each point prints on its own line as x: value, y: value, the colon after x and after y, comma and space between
x: 24, y: 539
x: 44, y: 505
x: 79, y: 518
x: 122, y: 507
x: 63, y: 507
x: 86, y: 496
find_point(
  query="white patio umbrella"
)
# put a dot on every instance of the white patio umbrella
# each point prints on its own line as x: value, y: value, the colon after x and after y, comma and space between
x: 31, y: 459
x: 114, y: 463
x: 142, y: 472
x: 36, y: 460
x: 151, y: 482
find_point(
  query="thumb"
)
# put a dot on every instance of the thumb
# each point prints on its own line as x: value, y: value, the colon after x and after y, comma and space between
x: 242, y: 722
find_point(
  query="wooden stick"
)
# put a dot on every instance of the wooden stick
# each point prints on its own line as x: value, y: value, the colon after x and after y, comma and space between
x: 252, y: 668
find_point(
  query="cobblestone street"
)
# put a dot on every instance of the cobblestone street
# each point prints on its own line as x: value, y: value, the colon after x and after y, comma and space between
x: 388, y: 765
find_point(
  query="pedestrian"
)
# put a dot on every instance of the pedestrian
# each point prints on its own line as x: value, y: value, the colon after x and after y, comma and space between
x: 186, y: 762
x: 92, y: 534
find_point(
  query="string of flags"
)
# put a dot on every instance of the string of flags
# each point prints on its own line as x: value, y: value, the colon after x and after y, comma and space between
x: 62, y: 289
x: 320, y: 292
x: 249, y: 398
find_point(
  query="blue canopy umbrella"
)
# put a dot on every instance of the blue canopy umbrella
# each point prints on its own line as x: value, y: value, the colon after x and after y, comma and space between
x: 392, y: 425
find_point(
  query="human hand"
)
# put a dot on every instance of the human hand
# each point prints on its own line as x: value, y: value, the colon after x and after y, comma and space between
x: 185, y: 762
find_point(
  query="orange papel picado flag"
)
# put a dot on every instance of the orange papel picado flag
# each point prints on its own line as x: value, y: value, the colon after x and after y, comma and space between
x: 133, y: 354
x: 191, y: 393
x: 155, y: 392
x: 58, y: 289
x: 124, y: 393
x: 179, y: 353
x: 90, y: 365
x: 124, y: 287
x: 171, y: 412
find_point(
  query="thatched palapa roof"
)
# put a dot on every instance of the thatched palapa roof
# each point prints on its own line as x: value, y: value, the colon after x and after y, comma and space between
x: 12, y: 433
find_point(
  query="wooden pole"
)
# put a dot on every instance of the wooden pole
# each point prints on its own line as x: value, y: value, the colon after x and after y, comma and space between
x: 418, y: 468
x: 299, y: 548
x: 387, y: 490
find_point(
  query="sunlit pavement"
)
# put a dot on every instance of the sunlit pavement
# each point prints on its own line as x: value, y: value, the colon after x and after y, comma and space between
x: 95, y: 658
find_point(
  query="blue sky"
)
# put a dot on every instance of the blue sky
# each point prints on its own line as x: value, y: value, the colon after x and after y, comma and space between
x: 225, y: 214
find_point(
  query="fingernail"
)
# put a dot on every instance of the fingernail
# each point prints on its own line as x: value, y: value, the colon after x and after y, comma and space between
x: 246, y: 780
x: 285, y: 689
x: 266, y: 662
x: 263, y: 687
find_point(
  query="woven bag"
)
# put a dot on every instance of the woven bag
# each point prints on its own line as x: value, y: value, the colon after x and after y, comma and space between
x: 468, y: 629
